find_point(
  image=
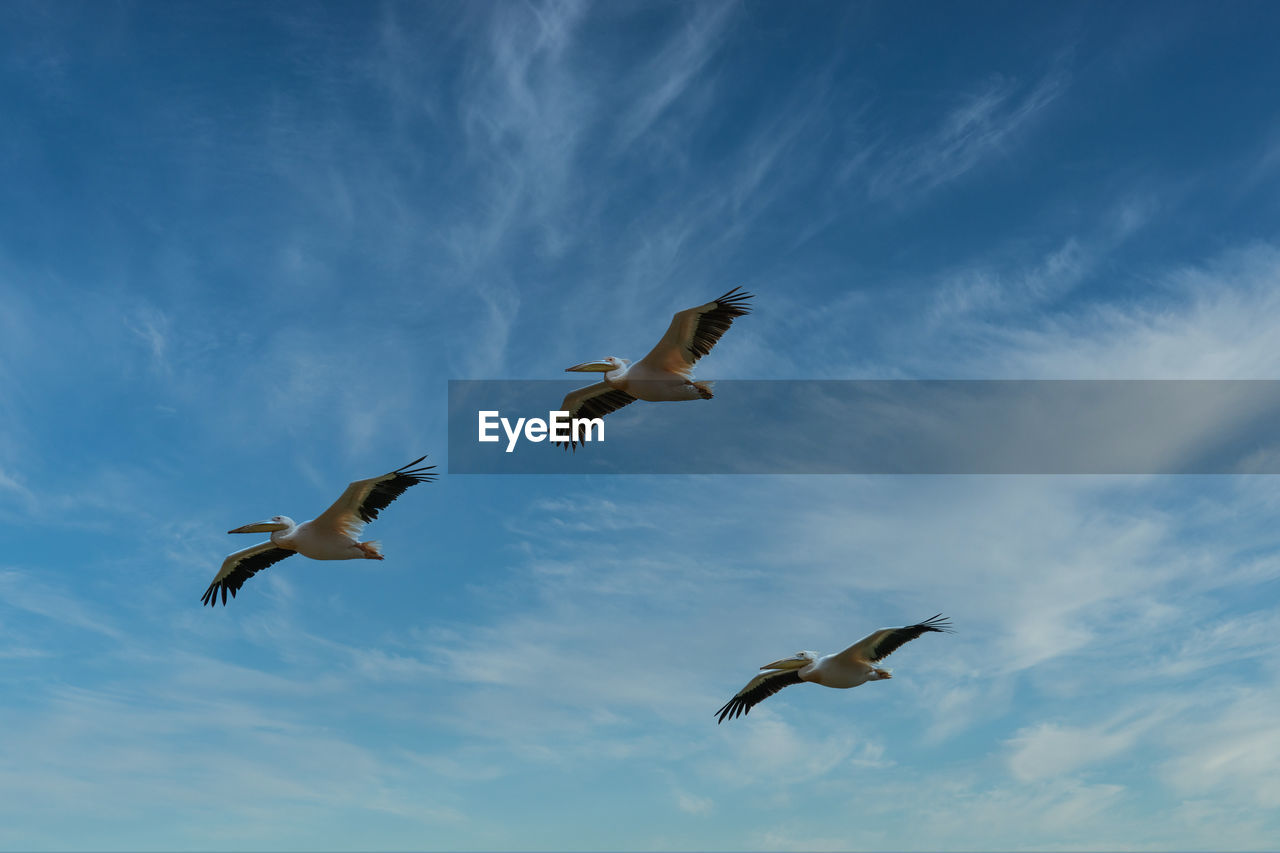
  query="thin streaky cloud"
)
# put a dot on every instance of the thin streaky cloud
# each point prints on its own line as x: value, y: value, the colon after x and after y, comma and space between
x: 525, y: 112
x: 24, y: 591
x: 152, y: 328
x: 984, y: 126
x: 23, y: 493
x: 672, y: 70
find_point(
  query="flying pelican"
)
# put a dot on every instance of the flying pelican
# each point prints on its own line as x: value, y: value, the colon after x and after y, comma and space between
x: 330, y: 536
x: 666, y: 373
x: 848, y: 668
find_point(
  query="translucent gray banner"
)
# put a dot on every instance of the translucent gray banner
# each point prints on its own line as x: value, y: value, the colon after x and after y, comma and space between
x: 886, y: 427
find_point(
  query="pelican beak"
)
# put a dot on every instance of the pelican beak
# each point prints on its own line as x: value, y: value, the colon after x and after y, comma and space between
x: 590, y: 367
x: 260, y: 527
x: 787, y: 663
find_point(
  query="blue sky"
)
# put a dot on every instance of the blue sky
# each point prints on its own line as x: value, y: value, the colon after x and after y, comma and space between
x: 244, y: 246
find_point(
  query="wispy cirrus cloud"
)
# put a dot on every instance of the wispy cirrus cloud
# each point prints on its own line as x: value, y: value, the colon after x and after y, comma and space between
x: 88, y: 736
x: 984, y: 125
x: 1216, y: 322
x: 25, y: 591
x: 671, y: 71
x: 17, y: 490
x: 1049, y: 750
x: 1075, y: 578
x: 525, y: 113
x: 1231, y: 745
x: 994, y: 293
x: 151, y: 327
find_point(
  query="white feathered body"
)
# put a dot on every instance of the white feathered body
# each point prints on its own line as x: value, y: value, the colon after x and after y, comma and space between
x: 838, y: 670
x: 654, y: 385
x: 321, y: 542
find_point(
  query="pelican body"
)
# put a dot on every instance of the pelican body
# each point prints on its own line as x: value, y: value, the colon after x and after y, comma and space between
x: 646, y: 382
x: 849, y: 668
x: 332, y: 535
x: 314, y: 539
x: 666, y: 373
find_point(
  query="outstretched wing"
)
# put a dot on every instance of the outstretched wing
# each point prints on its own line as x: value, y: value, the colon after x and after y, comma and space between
x: 694, y: 332
x: 757, y: 690
x: 886, y: 641
x: 241, y: 566
x: 594, y: 401
x: 363, y: 499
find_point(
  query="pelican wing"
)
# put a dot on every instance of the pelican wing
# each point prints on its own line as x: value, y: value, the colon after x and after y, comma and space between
x: 694, y: 332
x: 757, y: 690
x: 886, y: 641
x: 363, y: 499
x: 241, y: 566
x: 594, y: 401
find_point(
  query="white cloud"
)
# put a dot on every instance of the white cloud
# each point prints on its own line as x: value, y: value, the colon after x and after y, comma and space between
x: 693, y: 804
x: 981, y: 127
x: 672, y: 70
x: 1231, y: 746
x: 151, y: 326
x: 23, y: 590
x: 16, y: 488
x: 762, y: 748
x: 1212, y: 321
x: 1048, y: 750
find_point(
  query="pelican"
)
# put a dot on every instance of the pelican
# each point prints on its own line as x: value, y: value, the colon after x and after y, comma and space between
x: 848, y: 668
x: 666, y: 373
x: 332, y: 535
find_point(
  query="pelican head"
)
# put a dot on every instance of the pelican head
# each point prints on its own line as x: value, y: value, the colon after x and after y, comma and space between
x: 271, y: 525
x: 604, y: 365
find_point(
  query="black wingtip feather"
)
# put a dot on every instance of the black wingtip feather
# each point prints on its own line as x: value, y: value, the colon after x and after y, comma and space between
x: 714, y: 323
x: 597, y: 407
x: 901, y: 636
x: 736, y: 300
x: 246, y: 569
x: 936, y: 622
x: 742, y: 704
x: 385, y: 492
x: 405, y: 468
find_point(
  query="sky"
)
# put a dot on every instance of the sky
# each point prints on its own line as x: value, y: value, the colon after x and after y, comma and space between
x: 244, y: 247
